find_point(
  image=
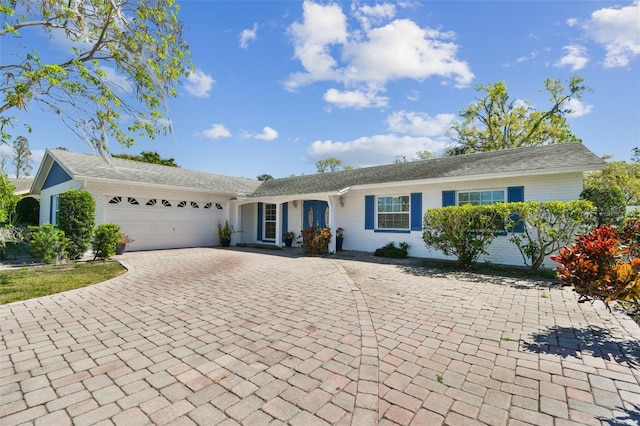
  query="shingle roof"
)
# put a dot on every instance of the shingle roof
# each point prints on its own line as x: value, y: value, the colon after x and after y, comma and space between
x: 90, y: 166
x: 520, y: 160
x: 544, y: 159
x: 22, y: 185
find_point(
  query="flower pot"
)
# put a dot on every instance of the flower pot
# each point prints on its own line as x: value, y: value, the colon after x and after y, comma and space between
x: 339, y: 241
x: 225, y: 242
x: 120, y: 248
x: 288, y: 242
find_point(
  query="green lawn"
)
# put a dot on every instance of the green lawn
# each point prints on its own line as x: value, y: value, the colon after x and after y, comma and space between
x: 35, y: 281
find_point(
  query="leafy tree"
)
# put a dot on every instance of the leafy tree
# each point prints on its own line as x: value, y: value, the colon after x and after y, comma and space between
x: 625, y: 176
x: 8, y: 199
x: 76, y: 218
x: 148, y: 157
x: 139, y: 40
x: 545, y: 226
x: 425, y: 155
x: 609, y: 204
x: 636, y: 155
x: 264, y: 177
x: 462, y: 231
x: 497, y: 122
x: 328, y: 165
x: 21, y: 156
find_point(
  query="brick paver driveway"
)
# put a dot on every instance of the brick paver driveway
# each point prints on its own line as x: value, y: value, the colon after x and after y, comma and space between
x: 207, y: 336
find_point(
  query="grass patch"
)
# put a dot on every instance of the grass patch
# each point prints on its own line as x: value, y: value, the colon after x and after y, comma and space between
x: 27, y: 283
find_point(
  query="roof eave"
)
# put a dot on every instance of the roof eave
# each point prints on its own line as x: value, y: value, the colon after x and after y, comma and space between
x: 159, y: 186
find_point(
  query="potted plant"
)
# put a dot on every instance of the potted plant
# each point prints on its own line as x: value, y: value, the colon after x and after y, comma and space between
x: 288, y: 238
x: 339, y: 238
x: 315, y: 240
x: 224, y: 233
x: 123, y: 241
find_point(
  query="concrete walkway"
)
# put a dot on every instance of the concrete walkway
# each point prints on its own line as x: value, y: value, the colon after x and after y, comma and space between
x: 211, y: 336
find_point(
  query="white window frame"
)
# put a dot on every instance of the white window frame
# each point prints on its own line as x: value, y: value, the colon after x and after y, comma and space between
x: 407, y: 212
x: 55, y: 208
x: 480, y: 191
x: 267, y: 219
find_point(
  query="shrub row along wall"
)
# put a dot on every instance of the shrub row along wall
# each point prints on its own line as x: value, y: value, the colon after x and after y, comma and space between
x: 537, y: 229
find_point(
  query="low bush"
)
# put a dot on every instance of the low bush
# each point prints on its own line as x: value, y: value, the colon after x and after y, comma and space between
x: 48, y: 243
x: 315, y: 240
x: 105, y: 240
x: 462, y: 231
x: 391, y: 251
x: 540, y: 229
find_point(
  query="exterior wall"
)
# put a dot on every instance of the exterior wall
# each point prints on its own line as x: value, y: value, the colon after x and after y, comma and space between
x: 45, y: 198
x: 537, y: 188
x: 295, y: 218
x: 249, y: 222
x: 103, y: 192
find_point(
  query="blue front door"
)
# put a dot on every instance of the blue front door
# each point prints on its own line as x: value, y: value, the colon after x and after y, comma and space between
x: 315, y: 213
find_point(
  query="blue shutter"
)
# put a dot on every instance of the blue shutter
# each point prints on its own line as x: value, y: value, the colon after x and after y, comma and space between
x: 260, y: 208
x: 369, y: 212
x: 285, y: 219
x: 448, y: 198
x: 516, y: 194
x: 416, y: 211
x: 51, y: 213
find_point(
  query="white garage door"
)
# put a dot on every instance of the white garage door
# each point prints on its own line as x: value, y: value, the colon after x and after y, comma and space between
x: 159, y: 223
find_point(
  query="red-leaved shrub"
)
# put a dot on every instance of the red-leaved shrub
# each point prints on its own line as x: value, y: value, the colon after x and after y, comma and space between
x: 604, y: 264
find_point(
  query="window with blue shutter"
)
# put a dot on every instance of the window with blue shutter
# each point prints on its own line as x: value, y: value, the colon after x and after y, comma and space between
x: 260, y: 209
x: 516, y: 194
x: 369, y: 211
x: 416, y: 211
x: 448, y: 198
x: 285, y: 219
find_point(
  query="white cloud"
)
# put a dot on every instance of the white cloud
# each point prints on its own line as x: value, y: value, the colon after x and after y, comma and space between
x: 370, y: 57
x: 322, y: 27
x: 572, y: 22
x: 576, y: 57
x: 618, y: 31
x: 420, y: 124
x: 354, y: 99
x: 578, y: 108
x: 268, y: 134
x: 247, y: 35
x: 199, y: 84
x: 377, y: 149
x: 369, y: 15
x: 217, y: 131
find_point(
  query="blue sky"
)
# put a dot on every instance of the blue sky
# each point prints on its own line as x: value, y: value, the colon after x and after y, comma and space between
x: 279, y: 85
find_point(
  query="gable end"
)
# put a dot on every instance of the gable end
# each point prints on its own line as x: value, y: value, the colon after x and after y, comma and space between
x: 56, y: 176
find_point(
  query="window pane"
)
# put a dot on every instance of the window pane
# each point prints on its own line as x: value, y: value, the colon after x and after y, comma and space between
x: 480, y: 197
x: 269, y: 221
x: 270, y: 230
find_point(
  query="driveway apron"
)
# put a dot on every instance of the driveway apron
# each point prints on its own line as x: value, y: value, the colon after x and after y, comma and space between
x: 208, y: 336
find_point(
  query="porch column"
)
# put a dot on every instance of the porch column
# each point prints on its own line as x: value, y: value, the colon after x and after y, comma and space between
x: 279, y: 224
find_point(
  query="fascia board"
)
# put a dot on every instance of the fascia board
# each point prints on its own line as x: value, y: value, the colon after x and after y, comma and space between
x: 156, y: 185
x: 478, y: 177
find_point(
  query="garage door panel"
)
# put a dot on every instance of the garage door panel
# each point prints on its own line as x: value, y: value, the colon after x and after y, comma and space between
x: 159, y: 227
